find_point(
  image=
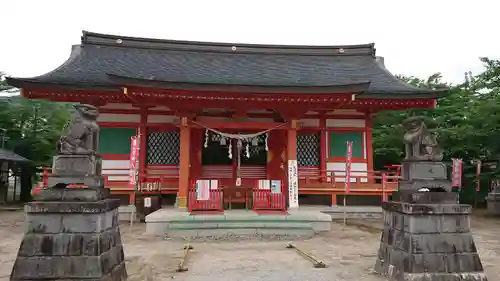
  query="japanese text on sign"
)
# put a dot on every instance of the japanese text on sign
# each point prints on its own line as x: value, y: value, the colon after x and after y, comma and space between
x: 456, y: 178
x: 293, y: 184
x: 348, y: 162
x: 134, y: 147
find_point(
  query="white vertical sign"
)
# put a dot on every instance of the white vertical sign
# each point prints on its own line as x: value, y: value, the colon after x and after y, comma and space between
x: 293, y: 184
x: 203, y: 189
x: 147, y: 202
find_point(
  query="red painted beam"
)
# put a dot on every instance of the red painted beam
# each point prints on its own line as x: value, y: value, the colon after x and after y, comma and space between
x: 223, y: 114
x: 239, y: 125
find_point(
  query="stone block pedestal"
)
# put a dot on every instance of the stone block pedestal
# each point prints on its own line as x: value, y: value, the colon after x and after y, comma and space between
x: 493, y: 201
x: 423, y: 174
x: 427, y: 241
x: 71, y: 241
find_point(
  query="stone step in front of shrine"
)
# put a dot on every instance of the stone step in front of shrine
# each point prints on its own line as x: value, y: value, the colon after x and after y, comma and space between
x: 354, y: 212
x: 175, y: 223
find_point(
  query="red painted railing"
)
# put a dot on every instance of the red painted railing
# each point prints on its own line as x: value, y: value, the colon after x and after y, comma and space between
x: 217, y: 172
x: 213, y: 203
x: 264, y: 199
x: 253, y: 172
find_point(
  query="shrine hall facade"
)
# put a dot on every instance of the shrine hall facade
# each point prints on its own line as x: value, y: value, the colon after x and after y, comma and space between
x: 302, y: 103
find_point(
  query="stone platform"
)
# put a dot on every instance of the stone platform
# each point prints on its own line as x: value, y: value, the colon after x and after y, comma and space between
x: 353, y: 212
x: 422, y: 241
x: 71, y: 241
x: 178, y: 223
x: 336, y: 212
x: 493, y: 201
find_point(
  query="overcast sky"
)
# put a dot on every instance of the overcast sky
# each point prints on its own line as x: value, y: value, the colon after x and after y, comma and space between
x: 416, y: 37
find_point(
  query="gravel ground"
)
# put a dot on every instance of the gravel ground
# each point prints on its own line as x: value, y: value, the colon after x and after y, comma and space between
x: 349, y: 253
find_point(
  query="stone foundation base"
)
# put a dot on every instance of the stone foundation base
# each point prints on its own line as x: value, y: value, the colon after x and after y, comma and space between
x: 71, y: 241
x: 181, y: 202
x: 493, y: 203
x: 428, y: 242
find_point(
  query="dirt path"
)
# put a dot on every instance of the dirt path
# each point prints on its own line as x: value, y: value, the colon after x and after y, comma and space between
x: 349, y: 253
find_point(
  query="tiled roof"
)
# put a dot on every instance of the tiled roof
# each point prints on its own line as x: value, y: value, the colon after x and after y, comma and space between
x: 101, y: 58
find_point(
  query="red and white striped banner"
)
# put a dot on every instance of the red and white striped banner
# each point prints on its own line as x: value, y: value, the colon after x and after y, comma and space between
x: 348, y: 162
x: 134, y: 149
x: 456, y: 175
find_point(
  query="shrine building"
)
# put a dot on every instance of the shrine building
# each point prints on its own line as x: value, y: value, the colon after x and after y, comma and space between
x: 235, y: 113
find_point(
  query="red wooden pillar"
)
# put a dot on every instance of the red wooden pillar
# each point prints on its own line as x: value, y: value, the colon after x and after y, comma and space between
x: 291, y: 148
x: 196, y: 136
x: 276, y: 148
x: 323, y: 141
x: 185, y: 138
x: 369, y: 146
x: 322, y: 149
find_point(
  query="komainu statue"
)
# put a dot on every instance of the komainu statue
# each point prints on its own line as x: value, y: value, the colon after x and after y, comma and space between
x: 420, y: 142
x: 81, y: 134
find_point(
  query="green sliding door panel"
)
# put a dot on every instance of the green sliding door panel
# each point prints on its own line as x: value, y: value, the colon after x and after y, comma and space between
x: 115, y: 140
x: 338, y: 144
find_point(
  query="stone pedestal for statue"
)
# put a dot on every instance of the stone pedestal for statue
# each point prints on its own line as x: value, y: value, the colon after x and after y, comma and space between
x: 493, y: 201
x: 427, y: 235
x: 424, y: 174
x: 72, y: 233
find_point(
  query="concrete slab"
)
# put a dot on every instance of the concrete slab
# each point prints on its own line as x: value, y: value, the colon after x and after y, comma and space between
x: 125, y: 213
x: 352, y: 212
x: 180, y: 223
x: 335, y: 212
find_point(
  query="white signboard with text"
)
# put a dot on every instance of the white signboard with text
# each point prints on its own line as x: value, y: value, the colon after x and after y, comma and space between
x: 293, y: 184
x: 203, y: 189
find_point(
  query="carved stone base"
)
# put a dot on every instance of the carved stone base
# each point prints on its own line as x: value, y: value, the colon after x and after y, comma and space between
x: 72, y: 194
x: 96, y: 181
x: 428, y: 242
x: 71, y: 241
x: 493, y: 203
x: 181, y: 202
x: 424, y: 174
x: 71, y: 165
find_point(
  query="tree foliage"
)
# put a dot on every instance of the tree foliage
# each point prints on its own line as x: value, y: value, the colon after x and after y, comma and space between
x: 32, y: 127
x: 468, y: 122
x: 468, y: 118
x: 3, y: 84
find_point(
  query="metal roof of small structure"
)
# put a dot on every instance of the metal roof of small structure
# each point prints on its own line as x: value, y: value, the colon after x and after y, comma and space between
x: 7, y: 155
x: 107, y: 62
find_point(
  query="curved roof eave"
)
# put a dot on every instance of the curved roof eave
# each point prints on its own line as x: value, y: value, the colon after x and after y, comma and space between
x: 45, y: 80
x: 211, y: 87
x: 33, y: 83
x: 401, y: 88
x: 432, y: 94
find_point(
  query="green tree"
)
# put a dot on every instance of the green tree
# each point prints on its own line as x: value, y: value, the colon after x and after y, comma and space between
x: 33, y: 127
x: 387, y: 125
x: 3, y: 84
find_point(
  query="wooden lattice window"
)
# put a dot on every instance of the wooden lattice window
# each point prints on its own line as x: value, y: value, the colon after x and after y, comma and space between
x: 308, y: 149
x: 163, y: 148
